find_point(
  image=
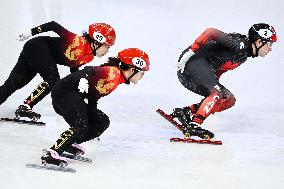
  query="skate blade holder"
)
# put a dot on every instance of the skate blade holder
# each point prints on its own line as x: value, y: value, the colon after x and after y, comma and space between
x: 187, y: 137
x: 190, y: 140
x: 33, y: 119
x: 62, y: 164
x: 206, y: 137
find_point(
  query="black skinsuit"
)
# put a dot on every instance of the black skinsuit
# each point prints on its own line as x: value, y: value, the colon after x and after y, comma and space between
x: 215, y: 53
x: 41, y: 55
x: 85, y: 120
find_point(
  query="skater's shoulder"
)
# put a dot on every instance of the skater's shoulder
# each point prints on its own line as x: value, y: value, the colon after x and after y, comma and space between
x: 108, y: 70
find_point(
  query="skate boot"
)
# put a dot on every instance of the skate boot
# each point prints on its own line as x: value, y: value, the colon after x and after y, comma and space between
x: 194, y: 129
x: 75, y: 149
x: 184, y: 115
x: 26, y: 111
x: 52, y: 157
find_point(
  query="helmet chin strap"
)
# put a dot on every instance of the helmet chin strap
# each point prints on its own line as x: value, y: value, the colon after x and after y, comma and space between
x: 127, y: 80
x: 92, y: 42
x: 135, y: 72
x: 257, y: 49
x: 95, y: 50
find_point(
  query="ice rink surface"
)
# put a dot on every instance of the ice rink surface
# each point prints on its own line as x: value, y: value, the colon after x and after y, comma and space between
x: 135, y: 151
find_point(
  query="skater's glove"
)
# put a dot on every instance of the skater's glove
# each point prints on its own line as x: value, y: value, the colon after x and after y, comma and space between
x: 181, y: 64
x: 83, y: 85
x: 22, y: 36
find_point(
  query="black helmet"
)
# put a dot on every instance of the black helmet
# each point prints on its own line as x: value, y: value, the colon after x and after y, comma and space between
x: 262, y: 31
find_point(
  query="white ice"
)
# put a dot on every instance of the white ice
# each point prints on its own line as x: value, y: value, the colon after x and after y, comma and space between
x: 135, y: 151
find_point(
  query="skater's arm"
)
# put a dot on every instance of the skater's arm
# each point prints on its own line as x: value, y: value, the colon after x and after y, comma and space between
x: 234, y: 43
x: 210, y: 34
x: 55, y: 27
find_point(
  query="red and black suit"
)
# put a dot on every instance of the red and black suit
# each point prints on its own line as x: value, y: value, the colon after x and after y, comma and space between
x: 215, y: 53
x: 80, y: 109
x: 40, y: 55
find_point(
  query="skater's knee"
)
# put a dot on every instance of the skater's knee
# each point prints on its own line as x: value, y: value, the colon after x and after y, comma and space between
x: 231, y: 101
x: 100, y: 129
x: 226, y: 102
x: 221, y: 93
x: 100, y: 122
x: 228, y: 99
x: 99, y: 118
x: 104, y: 123
x: 102, y: 116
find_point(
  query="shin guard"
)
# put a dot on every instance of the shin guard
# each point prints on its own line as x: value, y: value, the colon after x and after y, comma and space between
x: 38, y: 94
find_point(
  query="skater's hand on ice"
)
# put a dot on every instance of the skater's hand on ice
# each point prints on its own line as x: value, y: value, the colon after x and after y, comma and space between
x: 83, y: 85
x: 181, y: 64
x: 22, y: 36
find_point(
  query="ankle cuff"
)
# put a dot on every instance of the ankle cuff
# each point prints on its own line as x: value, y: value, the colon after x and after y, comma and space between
x: 198, y: 119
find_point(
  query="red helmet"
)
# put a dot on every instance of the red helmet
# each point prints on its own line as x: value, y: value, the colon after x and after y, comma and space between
x: 103, y: 33
x: 135, y: 57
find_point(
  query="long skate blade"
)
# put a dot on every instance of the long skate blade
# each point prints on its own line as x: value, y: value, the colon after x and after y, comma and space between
x: 21, y: 121
x: 51, y: 167
x: 170, y: 119
x: 180, y: 127
x: 74, y: 157
x: 189, y: 140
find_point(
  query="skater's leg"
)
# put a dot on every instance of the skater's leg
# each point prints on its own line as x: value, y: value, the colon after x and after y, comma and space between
x: 200, y: 78
x: 217, y: 101
x: 50, y: 77
x: 39, y: 58
x: 78, y: 122
x: 197, y: 75
x: 98, y: 121
x: 71, y: 106
x: 197, y: 72
x: 20, y: 76
x: 227, y: 101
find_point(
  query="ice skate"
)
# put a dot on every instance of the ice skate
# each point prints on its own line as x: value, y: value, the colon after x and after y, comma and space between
x: 184, y: 115
x: 194, y: 129
x: 26, y: 111
x: 75, y: 149
x: 52, y: 157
